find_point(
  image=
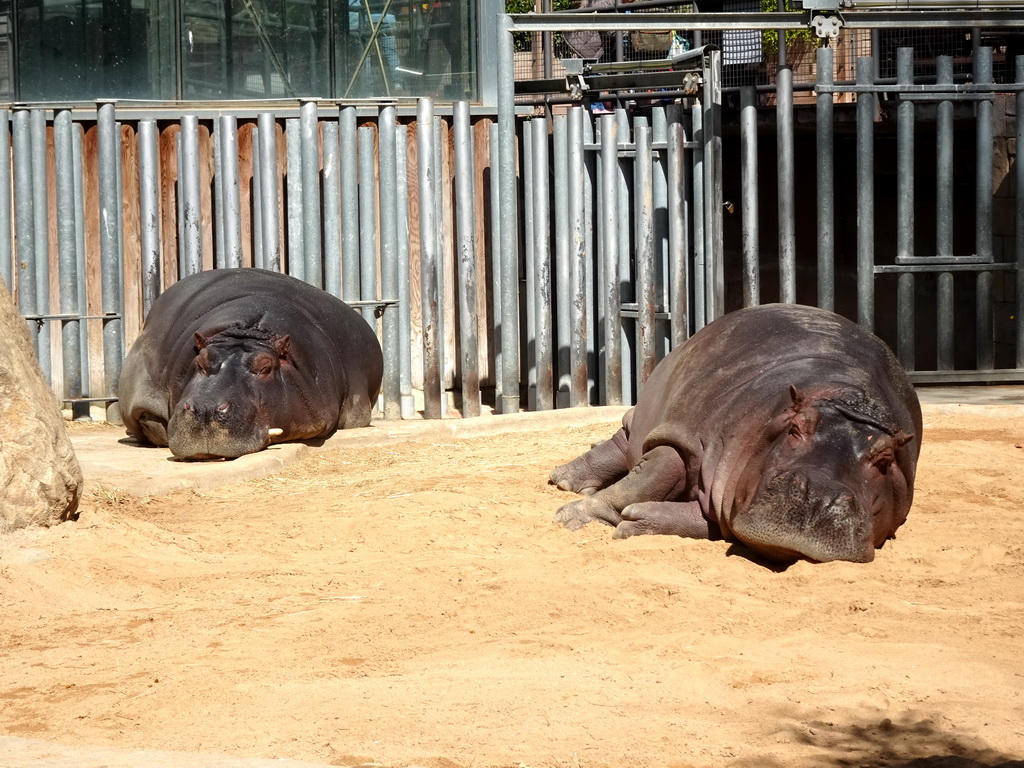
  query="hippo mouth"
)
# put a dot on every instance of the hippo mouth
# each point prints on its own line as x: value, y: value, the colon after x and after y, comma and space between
x: 192, y: 438
x: 792, y: 517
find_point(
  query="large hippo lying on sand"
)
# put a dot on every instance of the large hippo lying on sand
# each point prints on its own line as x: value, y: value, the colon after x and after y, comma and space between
x: 232, y: 360
x: 786, y: 428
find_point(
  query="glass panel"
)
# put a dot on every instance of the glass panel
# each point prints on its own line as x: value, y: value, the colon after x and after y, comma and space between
x: 261, y: 49
x: 90, y: 49
x: 406, y: 48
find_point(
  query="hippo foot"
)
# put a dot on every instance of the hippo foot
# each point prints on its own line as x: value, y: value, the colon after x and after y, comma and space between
x: 578, y: 513
x: 669, y: 518
x: 568, y: 478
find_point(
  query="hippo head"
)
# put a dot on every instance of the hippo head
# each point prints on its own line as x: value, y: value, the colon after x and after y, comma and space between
x: 225, y: 409
x: 832, y: 486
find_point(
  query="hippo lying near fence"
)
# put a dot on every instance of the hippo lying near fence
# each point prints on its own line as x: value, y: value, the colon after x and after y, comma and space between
x: 786, y: 428
x: 232, y: 360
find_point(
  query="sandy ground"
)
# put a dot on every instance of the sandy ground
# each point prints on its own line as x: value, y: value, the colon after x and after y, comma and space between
x: 414, y: 605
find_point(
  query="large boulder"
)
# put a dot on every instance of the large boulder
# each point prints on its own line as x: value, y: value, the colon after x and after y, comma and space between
x: 40, y: 480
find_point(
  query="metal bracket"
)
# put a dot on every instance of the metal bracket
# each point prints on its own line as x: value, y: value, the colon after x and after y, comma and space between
x: 827, y: 26
x: 574, y: 82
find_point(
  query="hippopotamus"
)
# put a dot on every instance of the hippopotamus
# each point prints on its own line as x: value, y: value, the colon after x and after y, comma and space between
x: 784, y: 428
x: 232, y: 360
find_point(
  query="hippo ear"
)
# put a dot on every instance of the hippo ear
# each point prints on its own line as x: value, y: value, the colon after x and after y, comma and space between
x: 796, y: 395
x: 201, y: 340
x: 281, y: 345
x: 901, y: 438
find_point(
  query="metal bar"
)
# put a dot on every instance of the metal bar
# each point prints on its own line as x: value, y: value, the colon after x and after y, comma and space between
x: 530, y: 267
x: 332, y: 209
x: 715, y: 249
x: 700, y: 233
x: 220, y: 260
x: 465, y: 210
x: 149, y: 211
x: 825, y: 150
x: 563, y: 262
x: 786, y: 169
x: 41, y: 220
x: 540, y: 192
x: 270, y: 218
x: 191, y: 199
x: 944, y: 216
x: 1000, y: 376
x: 507, y: 201
x: 24, y: 220
x: 64, y: 160
x: 408, y: 408
x: 905, y: 212
x: 577, y: 260
x: 590, y: 254
x: 389, y: 266
x: 108, y: 149
x: 309, y: 147
x: 78, y: 154
x: 1018, y: 214
x: 232, y: 216
x: 428, y: 260
x: 296, y: 230
x: 496, y: 276
x: 367, y: 222
x: 881, y: 269
x: 624, y: 186
x: 678, y: 227
x: 349, y: 205
x: 610, y: 241
x: 6, y: 255
x: 748, y: 205
x: 644, y: 251
x: 440, y: 191
x: 983, y: 213
x: 659, y: 169
x: 865, y: 197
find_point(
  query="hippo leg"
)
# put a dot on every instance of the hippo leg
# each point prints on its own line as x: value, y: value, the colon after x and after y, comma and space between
x: 656, y: 477
x: 670, y: 518
x: 598, y: 468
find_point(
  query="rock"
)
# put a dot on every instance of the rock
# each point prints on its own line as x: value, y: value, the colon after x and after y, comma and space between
x: 40, y: 480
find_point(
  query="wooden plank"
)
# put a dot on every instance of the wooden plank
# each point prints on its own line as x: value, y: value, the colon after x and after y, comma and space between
x: 482, y: 203
x: 131, y: 241
x: 245, y: 190
x: 415, y: 289
x: 93, y: 275
x: 169, y: 204
x: 206, y: 211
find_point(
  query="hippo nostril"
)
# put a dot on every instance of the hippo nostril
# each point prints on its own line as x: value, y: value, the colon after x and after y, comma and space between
x: 223, y: 407
x: 187, y: 406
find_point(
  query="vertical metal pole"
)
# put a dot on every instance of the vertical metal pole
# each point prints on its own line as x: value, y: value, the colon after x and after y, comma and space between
x: 312, y: 246
x: 865, y: 196
x: 24, y: 220
x: 191, y: 200
x: 563, y: 263
x: 786, y: 166
x: 610, y: 239
x: 983, y: 211
x: 496, y: 276
x: 367, y: 224
x: 678, y: 227
x: 293, y: 179
x: 507, y: 201
x: 232, y: 207
x: 149, y: 211
x: 1019, y: 214
x: 540, y: 192
x: 67, y: 256
x: 701, y: 314
x: 465, y: 210
x: 82, y: 410
x: 826, y: 184
x: 408, y: 408
x: 905, y: 210
x: 6, y: 255
x: 219, y: 256
x: 715, y: 249
x: 41, y: 219
x: 109, y: 147
x: 944, y: 215
x: 591, y: 258
x: 577, y: 261
x: 749, y: 207
x: 428, y: 260
x: 332, y: 209
x: 349, y: 205
x: 644, y: 252
x: 389, y: 266
x: 530, y: 286
x: 270, y: 219
x: 442, y: 262
x: 659, y: 189
x: 624, y: 224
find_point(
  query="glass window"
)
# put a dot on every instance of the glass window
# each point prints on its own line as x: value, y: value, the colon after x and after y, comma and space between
x: 89, y: 49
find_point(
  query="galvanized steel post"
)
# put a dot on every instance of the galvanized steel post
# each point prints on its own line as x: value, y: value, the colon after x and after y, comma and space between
x: 944, y: 215
x: 577, y: 260
x: 109, y: 148
x: 332, y: 209
x: 786, y: 170
x: 563, y: 264
x: 611, y: 290
x: 404, y: 289
x: 624, y: 185
x: 191, y: 199
x: 389, y: 268
x: 41, y: 219
x: 6, y: 260
x: 905, y: 210
x: 529, y: 267
x: 67, y: 256
x: 465, y: 209
x: 678, y: 226
x: 296, y: 249
x: 312, y: 247
x: 270, y: 218
x: 865, y: 196
x: 644, y: 226
x: 496, y: 255
x: 149, y: 212
x: 983, y: 211
x: 24, y: 220
x: 349, y: 205
x: 748, y: 206
x: 428, y: 260
x: 825, y: 151
x: 367, y: 225
x: 507, y: 202
x: 539, y: 192
x: 231, y: 223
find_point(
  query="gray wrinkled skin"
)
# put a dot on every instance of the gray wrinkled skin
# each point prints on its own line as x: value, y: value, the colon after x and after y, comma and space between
x: 785, y: 428
x: 229, y: 355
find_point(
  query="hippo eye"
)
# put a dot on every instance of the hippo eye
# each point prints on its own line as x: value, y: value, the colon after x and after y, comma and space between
x: 263, y: 366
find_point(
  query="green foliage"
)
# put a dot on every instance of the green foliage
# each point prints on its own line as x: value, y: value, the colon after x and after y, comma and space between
x: 521, y: 40
x: 770, y: 39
